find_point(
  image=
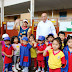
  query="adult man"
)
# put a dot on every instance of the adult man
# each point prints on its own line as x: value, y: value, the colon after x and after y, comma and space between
x: 45, y: 27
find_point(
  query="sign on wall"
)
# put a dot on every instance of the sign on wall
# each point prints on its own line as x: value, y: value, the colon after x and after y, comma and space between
x: 10, y: 25
x: 65, y: 26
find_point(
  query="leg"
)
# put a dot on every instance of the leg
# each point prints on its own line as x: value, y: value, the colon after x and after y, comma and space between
x: 17, y: 62
x: 10, y: 67
x: 6, y: 68
x: 39, y: 65
x: 43, y: 65
x: 14, y: 63
x: 35, y: 62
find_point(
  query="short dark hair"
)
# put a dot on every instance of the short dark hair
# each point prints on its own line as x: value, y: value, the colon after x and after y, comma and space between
x: 58, y: 39
x: 32, y: 36
x: 12, y: 39
x: 50, y: 35
x: 61, y: 32
x: 69, y: 37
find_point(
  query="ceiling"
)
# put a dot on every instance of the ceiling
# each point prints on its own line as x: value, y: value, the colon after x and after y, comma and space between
x: 40, y: 5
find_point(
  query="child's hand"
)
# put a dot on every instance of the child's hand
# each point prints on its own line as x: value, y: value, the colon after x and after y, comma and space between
x: 10, y: 56
x: 48, y: 48
x: 38, y: 52
x: 35, y: 44
x: 46, y: 42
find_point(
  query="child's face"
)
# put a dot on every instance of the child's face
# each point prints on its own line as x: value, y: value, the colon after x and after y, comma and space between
x: 16, y: 40
x: 62, y: 36
x: 24, y: 24
x: 55, y: 45
x: 23, y: 36
x: 69, y: 43
x: 24, y: 42
x: 7, y: 42
x: 40, y: 42
x: 50, y: 38
x: 31, y: 39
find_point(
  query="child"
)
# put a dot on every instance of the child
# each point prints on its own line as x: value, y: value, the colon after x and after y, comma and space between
x: 49, y: 39
x: 62, y: 36
x: 40, y: 48
x: 16, y: 45
x: 2, y: 42
x: 23, y: 35
x: 7, y: 50
x: 25, y: 57
x: 33, y: 51
x: 56, y: 56
x: 48, y: 42
x: 68, y: 55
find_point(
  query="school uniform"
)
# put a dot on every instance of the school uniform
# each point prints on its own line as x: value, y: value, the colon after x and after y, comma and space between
x: 7, y: 60
x: 55, y: 61
x: 68, y: 57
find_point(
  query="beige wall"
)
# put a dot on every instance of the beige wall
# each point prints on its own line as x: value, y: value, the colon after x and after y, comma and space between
x: 55, y: 13
x: 38, y: 15
x: 25, y: 16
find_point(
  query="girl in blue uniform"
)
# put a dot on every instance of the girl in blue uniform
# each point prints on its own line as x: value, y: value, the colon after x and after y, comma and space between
x: 25, y: 57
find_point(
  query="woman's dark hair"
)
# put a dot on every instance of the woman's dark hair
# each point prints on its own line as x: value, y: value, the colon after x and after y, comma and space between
x: 32, y: 36
x: 69, y: 37
x: 12, y: 39
x: 58, y: 39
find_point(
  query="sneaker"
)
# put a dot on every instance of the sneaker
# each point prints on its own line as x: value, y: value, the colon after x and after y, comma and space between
x: 14, y: 69
x: 34, y: 68
x: 42, y: 71
x: 38, y: 70
x: 22, y: 70
x: 17, y: 66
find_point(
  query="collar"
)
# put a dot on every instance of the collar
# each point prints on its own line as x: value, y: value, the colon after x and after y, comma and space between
x: 56, y: 53
x: 68, y: 49
x: 9, y: 45
x: 45, y: 21
x: 24, y: 27
x: 41, y: 44
x: 23, y: 45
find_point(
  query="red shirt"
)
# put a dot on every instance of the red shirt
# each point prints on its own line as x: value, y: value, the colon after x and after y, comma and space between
x: 8, y: 51
x: 40, y: 48
x: 70, y: 61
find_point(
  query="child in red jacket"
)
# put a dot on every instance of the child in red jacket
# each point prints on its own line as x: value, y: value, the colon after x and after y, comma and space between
x: 40, y: 48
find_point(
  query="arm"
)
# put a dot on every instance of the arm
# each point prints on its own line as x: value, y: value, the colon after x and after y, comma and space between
x: 44, y: 53
x: 16, y: 22
x: 37, y: 31
x: 46, y: 50
x: 39, y: 52
x: 53, y: 30
x: 28, y: 33
x: 6, y: 54
x: 63, y: 61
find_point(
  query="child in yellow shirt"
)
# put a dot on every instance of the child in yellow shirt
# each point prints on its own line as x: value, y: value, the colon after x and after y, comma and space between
x: 56, y: 56
x: 33, y: 51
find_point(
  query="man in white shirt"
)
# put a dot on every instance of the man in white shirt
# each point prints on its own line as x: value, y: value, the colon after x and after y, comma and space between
x: 45, y: 27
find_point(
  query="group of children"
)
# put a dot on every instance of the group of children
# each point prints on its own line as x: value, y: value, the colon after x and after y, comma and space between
x: 53, y: 53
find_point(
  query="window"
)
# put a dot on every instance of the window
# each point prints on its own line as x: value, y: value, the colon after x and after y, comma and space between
x: 63, y: 14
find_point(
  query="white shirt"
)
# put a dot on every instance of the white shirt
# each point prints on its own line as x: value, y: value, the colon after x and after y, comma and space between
x: 45, y: 28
